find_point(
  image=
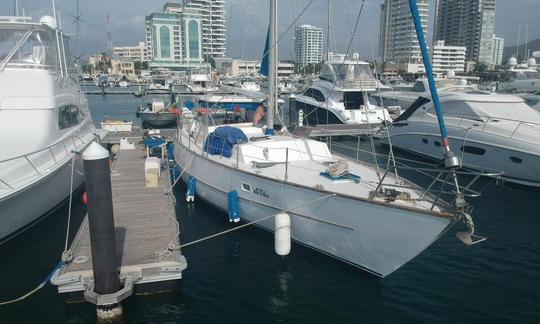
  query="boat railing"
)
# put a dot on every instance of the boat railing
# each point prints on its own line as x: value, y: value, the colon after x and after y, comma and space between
x: 439, y: 180
x: 37, y: 162
x: 481, y: 123
x: 358, y: 84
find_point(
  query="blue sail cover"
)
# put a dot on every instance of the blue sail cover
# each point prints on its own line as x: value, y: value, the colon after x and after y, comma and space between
x: 222, y: 140
x: 264, y: 63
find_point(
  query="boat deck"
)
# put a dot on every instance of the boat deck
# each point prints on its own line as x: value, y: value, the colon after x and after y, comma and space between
x: 136, y: 135
x: 304, y: 162
x: 337, y: 130
x: 147, y: 233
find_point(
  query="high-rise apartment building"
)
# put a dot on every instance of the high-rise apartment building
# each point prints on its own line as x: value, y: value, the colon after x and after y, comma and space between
x: 498, y: 46
x: 469, y: 23
x: 308, y: 48
x: 398, y: 42
x: 213, y: 25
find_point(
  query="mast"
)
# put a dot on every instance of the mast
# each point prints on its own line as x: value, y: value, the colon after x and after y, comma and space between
x: 450, y: 159
x: 272, y: 57
x: 517, y: 45
x: 16, y: 8
x: 526, y: 40
x: 328, y: 25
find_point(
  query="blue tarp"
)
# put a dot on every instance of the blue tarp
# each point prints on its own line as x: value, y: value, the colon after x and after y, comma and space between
x: 222, y: 140
x: 153, y: 142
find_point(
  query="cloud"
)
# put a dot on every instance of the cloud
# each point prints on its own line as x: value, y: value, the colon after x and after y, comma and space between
x: 247, y: 21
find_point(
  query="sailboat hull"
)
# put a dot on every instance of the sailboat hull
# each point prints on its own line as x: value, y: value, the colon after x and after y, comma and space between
x: 376, y: 238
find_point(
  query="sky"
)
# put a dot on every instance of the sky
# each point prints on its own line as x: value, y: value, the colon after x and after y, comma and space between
x: 247, y: 21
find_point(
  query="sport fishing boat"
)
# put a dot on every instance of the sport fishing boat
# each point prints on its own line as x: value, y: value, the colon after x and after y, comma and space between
x: 44, y: 119
x: 342, y: 208
x: 489, y: 130
x: 341, y: 95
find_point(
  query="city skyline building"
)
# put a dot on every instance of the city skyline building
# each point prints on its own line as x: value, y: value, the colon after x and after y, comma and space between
x: 398, y: 42
x: 447, y: 58
x: 498, y: 47
x: 469, y: 23
x: 174, y: 38
x: 213, y: 25
x: 308, y: 45
x: 137, y: 53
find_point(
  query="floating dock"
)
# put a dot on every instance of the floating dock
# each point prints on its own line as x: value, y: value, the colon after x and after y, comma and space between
x: 147, y: 234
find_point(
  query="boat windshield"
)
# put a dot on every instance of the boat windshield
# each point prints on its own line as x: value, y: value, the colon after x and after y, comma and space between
x: 37, y: 51
x: 349, y: 72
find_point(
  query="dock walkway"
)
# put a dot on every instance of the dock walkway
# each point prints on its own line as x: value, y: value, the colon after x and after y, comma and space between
x: 147, y: 233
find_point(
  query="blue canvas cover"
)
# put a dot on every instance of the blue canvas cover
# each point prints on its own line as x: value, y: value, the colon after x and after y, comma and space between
x: 222, y: 140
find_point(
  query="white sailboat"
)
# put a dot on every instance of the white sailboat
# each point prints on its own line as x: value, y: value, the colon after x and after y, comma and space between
x: 347, y: 210
x: 44, y: 117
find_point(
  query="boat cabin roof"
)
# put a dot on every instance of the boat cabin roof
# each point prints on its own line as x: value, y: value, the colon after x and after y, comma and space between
x: 480, y: 105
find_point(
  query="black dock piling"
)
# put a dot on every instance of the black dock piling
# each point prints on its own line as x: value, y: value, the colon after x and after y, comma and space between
x: 293, y: 114
x: 101, y: 226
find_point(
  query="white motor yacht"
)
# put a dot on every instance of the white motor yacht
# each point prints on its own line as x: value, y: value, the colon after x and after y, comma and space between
x: 521, y: 78
x: 44, y: 119
x: 341, y: 95
x: 489, y: 131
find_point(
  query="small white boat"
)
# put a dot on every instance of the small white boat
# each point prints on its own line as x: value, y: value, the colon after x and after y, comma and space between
x: 113, y: 125
x: 44, y: 119
x: 200, y: 82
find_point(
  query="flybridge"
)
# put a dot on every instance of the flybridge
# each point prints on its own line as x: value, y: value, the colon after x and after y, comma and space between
x: 15, y: 19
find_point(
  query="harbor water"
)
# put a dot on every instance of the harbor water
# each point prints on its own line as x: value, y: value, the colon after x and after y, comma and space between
x: 237, y: 278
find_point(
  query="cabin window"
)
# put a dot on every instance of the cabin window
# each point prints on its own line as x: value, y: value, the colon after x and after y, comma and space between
x: 68, y: 116
x: 424, y: 140
x: 473, y: 150
x: 418, y: 87
x: 516, y: 159
x: 436, y: 143
x: 353, y: 100
x: 165, y: 43
x: 193, y: 28
x: 246, y: 187
x: 315, y: 94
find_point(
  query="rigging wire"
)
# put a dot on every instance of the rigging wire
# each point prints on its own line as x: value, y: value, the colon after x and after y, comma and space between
x: 391, y: 151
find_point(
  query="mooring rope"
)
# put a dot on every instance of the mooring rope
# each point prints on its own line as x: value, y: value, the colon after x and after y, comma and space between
x: 252, y: 222
x: 66, y: 254
x: 33, y: 291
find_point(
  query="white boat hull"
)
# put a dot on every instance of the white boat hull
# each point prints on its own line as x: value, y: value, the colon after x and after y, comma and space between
x: 518, y: 160
x: 25, y: 207
x: 376, y: 238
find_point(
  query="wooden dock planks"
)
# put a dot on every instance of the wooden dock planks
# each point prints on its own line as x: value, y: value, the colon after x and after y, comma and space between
x: 144, y: 229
